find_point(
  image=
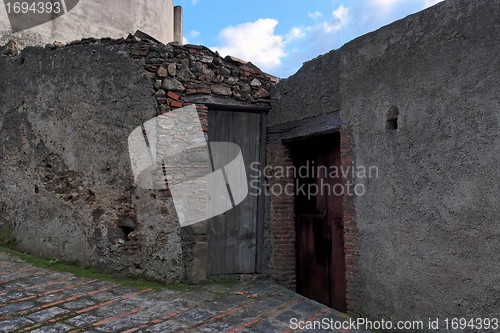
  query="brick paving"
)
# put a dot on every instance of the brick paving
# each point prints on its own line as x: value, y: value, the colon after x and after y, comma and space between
x: 39, y: 300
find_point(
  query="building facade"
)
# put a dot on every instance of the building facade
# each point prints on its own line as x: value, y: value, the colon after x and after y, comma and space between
x: 97, y: 19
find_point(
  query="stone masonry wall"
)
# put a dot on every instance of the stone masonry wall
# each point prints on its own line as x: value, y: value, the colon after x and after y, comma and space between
x: 66, y: 186
x: 419, y: 100
x: 183, y: 73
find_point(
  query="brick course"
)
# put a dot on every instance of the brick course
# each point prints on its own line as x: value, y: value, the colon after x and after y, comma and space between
x: 283, y: 261
x: 349, y: 221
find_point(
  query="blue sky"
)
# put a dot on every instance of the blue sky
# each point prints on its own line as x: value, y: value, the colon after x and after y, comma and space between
x: 280, y: 35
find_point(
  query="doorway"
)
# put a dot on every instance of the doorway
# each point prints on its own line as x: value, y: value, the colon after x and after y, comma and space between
x: 235, y: 238
x: 318, y: 220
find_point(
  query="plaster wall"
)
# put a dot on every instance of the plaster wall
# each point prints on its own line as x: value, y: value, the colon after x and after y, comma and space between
x: 98, y: 18
x: 66, y: 187
x: 428, y: 224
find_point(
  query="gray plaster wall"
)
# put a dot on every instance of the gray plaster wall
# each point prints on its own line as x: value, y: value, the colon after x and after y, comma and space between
x: 66, y: 186
x: 98, y: 18
x: 429, y: 225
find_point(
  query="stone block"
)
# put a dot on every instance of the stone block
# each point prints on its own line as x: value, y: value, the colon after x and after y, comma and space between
x: 199, y: 265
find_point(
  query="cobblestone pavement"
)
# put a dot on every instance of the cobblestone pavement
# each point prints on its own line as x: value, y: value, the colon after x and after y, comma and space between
x: 39, y: 300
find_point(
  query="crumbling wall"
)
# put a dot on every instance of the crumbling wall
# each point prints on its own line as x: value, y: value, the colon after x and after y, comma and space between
x: 420, y: 100
x: 66, y: 186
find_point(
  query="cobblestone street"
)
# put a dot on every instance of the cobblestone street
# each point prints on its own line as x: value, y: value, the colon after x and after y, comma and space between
x: 39, y: 300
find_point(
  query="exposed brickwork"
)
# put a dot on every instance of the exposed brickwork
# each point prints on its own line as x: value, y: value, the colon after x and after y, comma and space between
x: 283, y: 261
x: 349, y: 220
x: 282, y: 221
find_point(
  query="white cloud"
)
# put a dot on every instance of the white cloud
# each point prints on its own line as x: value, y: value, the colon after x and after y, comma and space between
x: 185, y: 40
x: 194, y: 2
x: 255, y: 42
x: 348, y: 19
x: 304, y: 43
x: 386, y: 3
x: 316, y: 15
x: 382, y: 9
x: 387, y: 7
x: 428, y: 3
x: 295, y: 33
x: 340, y: 17
x: 194, y: 34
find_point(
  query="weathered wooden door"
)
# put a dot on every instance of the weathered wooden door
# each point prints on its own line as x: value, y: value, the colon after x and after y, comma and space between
x: 235, y: 237
x: 319, y: 227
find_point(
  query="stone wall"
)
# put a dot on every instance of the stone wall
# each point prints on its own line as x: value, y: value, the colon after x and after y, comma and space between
x: 66, y: 186
x: 419, y: 100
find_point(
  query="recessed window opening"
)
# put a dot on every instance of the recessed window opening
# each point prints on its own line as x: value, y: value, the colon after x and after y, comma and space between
x: 392, y: 118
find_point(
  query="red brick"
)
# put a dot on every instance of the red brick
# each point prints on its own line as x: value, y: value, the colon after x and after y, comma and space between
x: 175, y: 104
x: 173, y: 95
x: 246, y: 68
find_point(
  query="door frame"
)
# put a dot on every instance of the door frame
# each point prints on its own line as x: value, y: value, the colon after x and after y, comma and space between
x: 342, y: 304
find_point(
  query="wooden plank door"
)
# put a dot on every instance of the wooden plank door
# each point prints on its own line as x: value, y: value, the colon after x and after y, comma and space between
x: 233, y: 236
x: 319, y: 227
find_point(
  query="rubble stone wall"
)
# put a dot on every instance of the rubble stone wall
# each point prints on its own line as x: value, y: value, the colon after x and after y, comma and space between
x: 66, y: 185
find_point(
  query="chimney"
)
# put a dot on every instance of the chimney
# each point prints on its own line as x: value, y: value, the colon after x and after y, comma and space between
x: 178, y: 24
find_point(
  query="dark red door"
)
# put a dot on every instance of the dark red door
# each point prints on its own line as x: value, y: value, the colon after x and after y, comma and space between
x: 319, y: 227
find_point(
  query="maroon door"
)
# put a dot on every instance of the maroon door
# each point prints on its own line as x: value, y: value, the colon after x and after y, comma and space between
x: 319, y: 227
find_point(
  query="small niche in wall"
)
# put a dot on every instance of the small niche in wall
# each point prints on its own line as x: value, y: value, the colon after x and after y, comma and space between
x: 391, y: 118
x: 126, y: 225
